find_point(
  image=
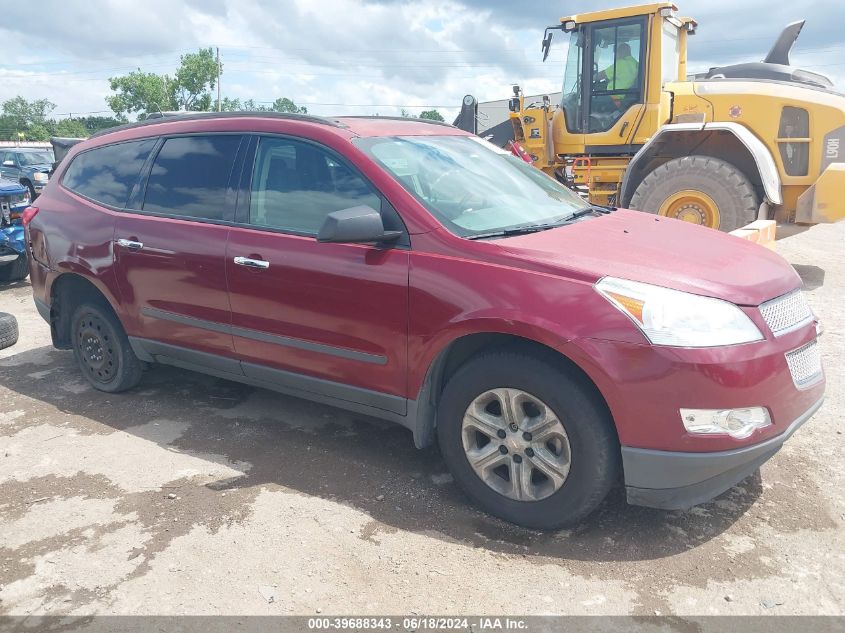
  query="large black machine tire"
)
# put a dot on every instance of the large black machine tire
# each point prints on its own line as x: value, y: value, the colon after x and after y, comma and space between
x: 699, y: 189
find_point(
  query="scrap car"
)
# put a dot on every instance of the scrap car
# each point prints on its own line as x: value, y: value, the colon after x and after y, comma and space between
x: 14, y: 198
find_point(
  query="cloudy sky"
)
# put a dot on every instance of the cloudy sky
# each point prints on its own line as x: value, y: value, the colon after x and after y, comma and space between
x: 361, y: 57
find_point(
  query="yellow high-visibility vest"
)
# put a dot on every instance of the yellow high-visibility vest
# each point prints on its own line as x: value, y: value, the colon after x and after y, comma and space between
x: 623, y: 74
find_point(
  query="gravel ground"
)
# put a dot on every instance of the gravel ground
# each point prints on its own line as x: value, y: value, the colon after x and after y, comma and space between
x: 192, y: 495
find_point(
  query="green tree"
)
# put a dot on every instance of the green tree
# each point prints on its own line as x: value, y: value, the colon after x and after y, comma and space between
x: 142, y: 93
x: 96, y: 123
x: 8, y: 128
x: 231, y: 105
x: 432, y: 115
x: 189, y: 89
x: 195, y: 78
x: 19, y: 115
x: 37, y: 132
x: 283, y: 104
x: 70, y: 128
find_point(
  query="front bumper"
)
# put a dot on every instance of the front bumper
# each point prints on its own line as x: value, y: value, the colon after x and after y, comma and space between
x: 673, y: 480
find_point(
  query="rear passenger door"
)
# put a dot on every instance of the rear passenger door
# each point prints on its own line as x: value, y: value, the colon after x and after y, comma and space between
x: 170, y: 245
x: 324, y: 318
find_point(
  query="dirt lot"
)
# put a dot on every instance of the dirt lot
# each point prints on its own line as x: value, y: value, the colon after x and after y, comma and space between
x: 200, y: 496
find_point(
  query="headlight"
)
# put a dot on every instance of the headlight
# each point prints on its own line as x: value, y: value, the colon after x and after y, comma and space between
x: 40, y: 176
x: 680, y: 319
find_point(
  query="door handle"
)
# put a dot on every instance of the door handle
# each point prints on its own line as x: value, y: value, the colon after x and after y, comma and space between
x: 252, y: 263
x: 130, y: 244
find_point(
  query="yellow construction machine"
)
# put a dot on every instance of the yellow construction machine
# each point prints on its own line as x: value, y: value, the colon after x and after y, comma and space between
x: 735, y: 145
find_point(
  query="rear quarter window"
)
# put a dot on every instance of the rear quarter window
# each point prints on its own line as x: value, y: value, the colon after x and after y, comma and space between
x: 107, y: 174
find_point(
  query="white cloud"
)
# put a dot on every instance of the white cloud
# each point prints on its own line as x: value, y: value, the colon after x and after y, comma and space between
x: 389, y: 53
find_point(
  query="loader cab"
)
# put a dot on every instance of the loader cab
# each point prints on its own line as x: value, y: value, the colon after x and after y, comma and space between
x: 604, y: 74
x: 617, y: 62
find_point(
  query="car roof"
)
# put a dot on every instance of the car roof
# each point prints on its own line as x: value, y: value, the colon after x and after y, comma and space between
x: 346, y: 126
x: 397, y: 126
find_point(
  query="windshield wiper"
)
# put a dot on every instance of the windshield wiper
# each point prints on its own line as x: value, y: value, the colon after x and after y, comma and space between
x: 520, y: 230
x: 536, y: 228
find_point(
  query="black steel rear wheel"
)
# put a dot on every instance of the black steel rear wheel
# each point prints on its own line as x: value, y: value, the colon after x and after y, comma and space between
x: 102, y: 350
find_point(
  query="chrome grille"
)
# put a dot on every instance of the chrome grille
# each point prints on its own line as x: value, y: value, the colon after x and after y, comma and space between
x: 786, y: 312
x: 805, y: 364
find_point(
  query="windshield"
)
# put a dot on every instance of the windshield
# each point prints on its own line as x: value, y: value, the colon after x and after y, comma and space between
x: 471, y: 186
x: 35, y: 158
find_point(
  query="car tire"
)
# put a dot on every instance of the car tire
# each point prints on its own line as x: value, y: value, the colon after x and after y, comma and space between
x: 709, y: 183
x: 8, y: 330
x: 102, y: 349
x: 17, y: 270
x: 588, y: 439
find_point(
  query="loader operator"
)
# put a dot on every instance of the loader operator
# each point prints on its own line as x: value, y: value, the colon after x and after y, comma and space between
x: 621, y: 74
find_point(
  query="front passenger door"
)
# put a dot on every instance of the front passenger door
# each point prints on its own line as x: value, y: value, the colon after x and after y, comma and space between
x: 326, y: 318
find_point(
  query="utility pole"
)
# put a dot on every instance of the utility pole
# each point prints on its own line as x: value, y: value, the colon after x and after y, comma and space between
x: 218, y: 79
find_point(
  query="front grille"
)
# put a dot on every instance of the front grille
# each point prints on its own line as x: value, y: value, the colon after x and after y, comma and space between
x: 805, y: 364
x: 787, y: 312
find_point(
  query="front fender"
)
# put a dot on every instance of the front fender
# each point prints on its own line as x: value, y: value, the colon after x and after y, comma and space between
x: 763, y: 159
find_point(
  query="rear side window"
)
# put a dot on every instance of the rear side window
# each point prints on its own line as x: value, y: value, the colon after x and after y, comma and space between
x: 190, y: 176
x: 107, y: 174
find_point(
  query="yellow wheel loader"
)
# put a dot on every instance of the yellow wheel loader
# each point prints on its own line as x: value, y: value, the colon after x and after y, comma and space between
x: 726, y: 149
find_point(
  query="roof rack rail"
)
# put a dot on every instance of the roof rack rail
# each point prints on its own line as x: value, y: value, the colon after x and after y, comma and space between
x: 164, y: 117
x: 395, y: 118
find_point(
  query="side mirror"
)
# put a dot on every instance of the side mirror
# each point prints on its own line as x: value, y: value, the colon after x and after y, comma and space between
x: 8, y: 163
x: 356, y: 225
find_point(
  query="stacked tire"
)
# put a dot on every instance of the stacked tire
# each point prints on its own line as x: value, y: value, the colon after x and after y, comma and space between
x: 8, y: 330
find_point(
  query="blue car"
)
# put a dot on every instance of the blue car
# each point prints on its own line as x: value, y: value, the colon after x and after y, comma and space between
x: 14, y: 198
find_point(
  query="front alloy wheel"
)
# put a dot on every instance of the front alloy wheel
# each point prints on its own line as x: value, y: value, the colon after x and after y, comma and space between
x: 528, y: 440
x: 516, y: 444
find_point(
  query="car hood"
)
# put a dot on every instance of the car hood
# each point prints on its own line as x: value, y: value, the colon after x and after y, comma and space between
x: 42, y: 167
x: 662, y: 251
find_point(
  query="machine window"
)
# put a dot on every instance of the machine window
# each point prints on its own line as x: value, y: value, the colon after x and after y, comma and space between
x: 795, y: 154
x: 617, y: 73
x: 671, y: 57
x: 571, y: 100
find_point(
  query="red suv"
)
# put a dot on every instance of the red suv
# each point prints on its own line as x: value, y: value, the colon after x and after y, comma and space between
x: 413, y: 272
